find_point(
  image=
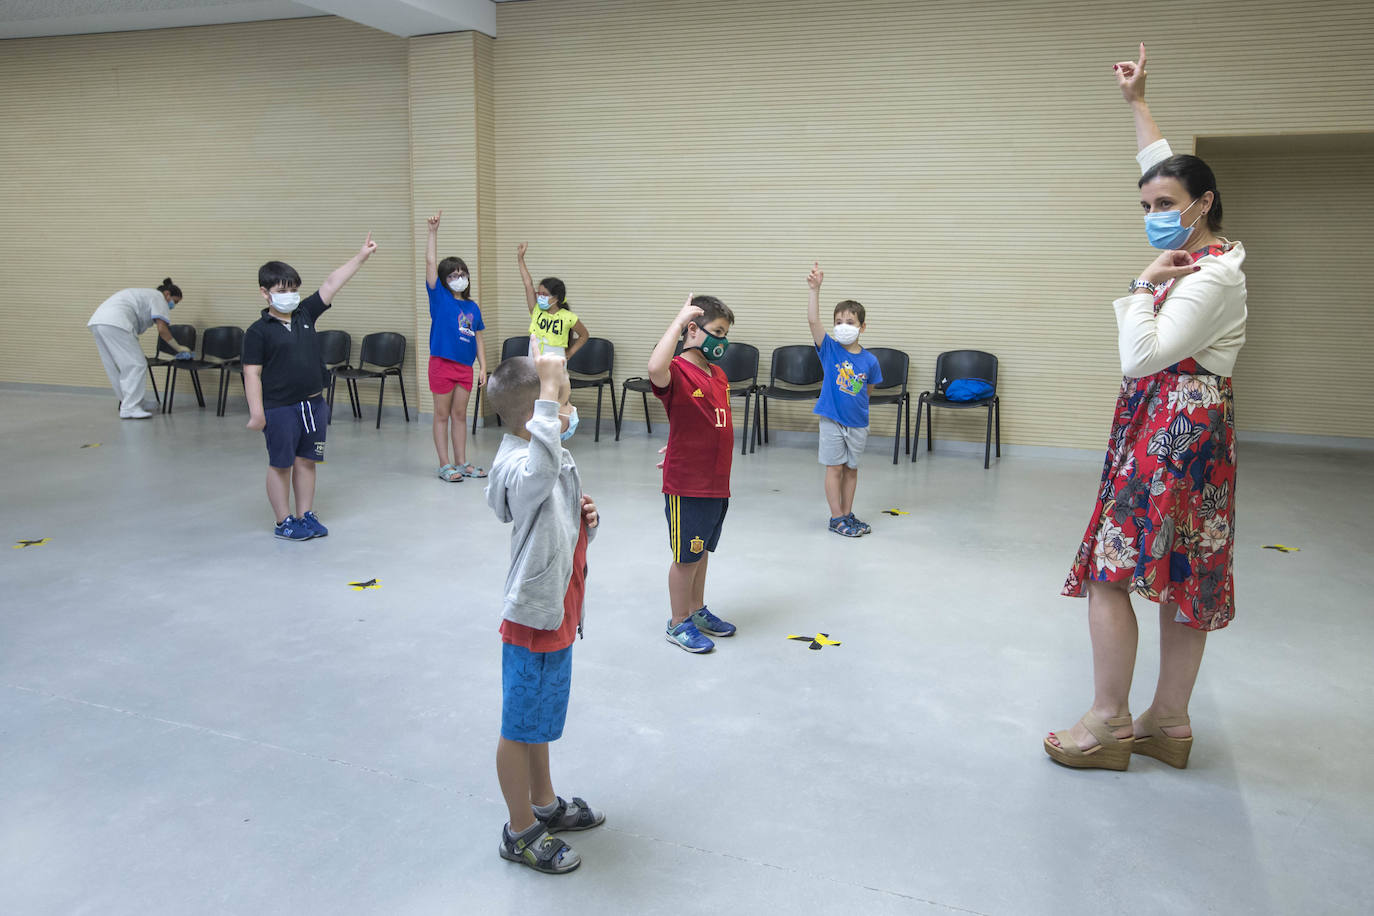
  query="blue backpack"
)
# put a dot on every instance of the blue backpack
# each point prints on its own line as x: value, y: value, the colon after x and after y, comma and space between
x: 968, y: 389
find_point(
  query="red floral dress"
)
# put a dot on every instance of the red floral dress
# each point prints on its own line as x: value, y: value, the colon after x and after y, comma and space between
x: 1165, y: 513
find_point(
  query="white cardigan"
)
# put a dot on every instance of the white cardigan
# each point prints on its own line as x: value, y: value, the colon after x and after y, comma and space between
x: 1203, y: 316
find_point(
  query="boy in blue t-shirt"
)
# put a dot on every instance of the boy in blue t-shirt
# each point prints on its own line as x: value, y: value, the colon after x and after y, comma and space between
x: 849, y: 371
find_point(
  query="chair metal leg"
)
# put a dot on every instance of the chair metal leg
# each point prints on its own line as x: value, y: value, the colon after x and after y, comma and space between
x: 596, y: 436
x: 222, y: 392
x: 916, y: 446
x: 997, y: 408
x: 987, y: 440
x: 152, y: 377
x: 476, y: 408
x: 333, y: 382
x: 754, y: 439
x: 615, y: 411
x: 405, y: 407
x: 907, y: 399
x: 744, y: 427
x: 897, y: 433
x: 930, y: 412
x: 355, y: 398
x: 171, y: 394
x: 381, y: 390
x: 648, y: 424
x: 766, y: 424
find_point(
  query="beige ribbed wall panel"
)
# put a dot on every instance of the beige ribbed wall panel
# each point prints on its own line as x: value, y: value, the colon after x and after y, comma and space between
x: 198, y: 153
x: 444, y: 169
x: 1306, y: 223
x: 489, y: 253
x: 965, y: 169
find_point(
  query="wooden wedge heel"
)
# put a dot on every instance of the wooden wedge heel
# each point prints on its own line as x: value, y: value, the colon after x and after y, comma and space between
x: 1154, y: 743
x: 1111, y: 752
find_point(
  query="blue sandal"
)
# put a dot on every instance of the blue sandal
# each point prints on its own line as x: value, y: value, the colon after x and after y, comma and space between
x: 843, y: 525
x: 472, y: 470
x: 451, y: 473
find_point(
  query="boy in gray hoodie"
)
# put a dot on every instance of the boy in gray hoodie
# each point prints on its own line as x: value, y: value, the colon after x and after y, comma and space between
x: 535, y: 485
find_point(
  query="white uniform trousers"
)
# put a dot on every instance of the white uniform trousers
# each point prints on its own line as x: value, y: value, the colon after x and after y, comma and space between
x: 126, y: 366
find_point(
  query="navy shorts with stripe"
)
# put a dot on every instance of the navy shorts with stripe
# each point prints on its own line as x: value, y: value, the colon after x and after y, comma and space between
x: 296, y: 431
x: 534, y: 693
x: 694, y: 524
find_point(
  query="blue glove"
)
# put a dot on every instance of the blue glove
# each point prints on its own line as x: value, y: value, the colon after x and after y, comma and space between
x: 185, y: 354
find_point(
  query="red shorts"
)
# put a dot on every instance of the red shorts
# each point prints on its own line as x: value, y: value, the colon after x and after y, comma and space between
x: 445, y: 373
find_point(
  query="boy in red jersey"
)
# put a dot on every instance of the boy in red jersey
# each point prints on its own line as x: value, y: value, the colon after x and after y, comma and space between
x: 696, y: 466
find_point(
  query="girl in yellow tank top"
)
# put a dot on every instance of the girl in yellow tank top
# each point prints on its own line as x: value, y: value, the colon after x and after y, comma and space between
x: 552, y: 323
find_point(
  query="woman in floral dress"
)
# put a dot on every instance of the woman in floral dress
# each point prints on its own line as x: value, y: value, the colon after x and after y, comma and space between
x: 1162, y: 527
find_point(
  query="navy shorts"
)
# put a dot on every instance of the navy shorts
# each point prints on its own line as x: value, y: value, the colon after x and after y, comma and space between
x: 296, y: 431
x: 694, y: 524
x: 534, y: 693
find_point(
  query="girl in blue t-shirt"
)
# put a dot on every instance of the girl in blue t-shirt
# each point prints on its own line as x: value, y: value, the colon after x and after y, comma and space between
x: 455, y: 343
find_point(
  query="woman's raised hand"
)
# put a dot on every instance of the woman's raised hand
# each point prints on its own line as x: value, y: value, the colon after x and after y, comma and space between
x: 1130, y: 77
x: 1170, y: 265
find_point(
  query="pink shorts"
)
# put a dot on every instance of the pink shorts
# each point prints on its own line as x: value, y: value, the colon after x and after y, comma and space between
x: 445, y: 373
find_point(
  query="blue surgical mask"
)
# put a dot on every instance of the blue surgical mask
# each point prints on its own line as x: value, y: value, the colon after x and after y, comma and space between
x: 544, y: 302
x: 1166, y: 230
x: 572, y: 426
x: 171, y: 303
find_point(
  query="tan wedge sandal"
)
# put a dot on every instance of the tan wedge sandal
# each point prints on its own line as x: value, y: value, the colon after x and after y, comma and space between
x: 1154, y: 743
x: 1111, y: 752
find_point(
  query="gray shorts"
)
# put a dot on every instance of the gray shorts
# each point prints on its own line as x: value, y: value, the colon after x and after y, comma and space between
x: 841, y: 444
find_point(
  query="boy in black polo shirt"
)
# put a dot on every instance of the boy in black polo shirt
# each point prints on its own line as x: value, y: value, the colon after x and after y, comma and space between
x: 284, y: 376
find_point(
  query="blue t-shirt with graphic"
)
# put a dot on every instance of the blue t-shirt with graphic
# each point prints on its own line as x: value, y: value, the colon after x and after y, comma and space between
x: 845, y: 384
x: 453, y: 326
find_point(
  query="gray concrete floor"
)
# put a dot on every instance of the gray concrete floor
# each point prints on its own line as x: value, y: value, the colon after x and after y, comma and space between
x: 198, y: 718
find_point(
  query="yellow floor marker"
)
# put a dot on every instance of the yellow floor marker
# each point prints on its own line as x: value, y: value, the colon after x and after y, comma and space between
x: 34, y: 542
x: 895, y: 512
x: 363, y: 586
x: 91, y: 445
x: 817, y: 641
x: 1282, y: 548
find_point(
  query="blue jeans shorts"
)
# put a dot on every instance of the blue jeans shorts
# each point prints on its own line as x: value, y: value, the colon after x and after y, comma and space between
x: 534, y: 693
x: 296, y: 431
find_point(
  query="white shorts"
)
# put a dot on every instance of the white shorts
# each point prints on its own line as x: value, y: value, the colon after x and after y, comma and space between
x: 841, y: 444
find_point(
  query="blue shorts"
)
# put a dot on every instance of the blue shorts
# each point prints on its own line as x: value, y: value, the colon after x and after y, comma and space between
x: 296, y: 431
x: 534, y: 693
x: 694, y: 524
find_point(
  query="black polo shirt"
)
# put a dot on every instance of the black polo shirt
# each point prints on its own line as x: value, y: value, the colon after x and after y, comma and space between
x: 292, y: 367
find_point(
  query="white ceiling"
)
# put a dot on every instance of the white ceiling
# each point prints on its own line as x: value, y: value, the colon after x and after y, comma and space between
x: 35, y: 18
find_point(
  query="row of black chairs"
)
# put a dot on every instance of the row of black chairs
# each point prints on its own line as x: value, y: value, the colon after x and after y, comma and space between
x: 795, y: 374
x: 221, y: 350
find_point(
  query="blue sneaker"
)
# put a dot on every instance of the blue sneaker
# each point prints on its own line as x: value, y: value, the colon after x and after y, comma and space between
x: 313, y: 523
x: 687, y: 636
x: 293, y: 529
x: 711, y: 625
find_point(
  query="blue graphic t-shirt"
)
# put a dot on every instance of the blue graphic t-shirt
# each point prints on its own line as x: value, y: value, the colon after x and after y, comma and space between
x: 453, y: 326
x: 844, y: 387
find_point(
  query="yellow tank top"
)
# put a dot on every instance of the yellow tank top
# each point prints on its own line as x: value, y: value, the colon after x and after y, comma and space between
x: 552, y: 328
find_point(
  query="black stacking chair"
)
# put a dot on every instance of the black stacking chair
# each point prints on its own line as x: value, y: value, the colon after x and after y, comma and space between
x: 183, y: 334
x: 741, y: 365
x: 894, y: 365
x: 511, y: 346
x: 386, y: 351
x: 796, y: 366
x: 957, y: 364
x: 222, y: 349
x: 642, y: 386
x: 336, y: 348
x: 595, y: 362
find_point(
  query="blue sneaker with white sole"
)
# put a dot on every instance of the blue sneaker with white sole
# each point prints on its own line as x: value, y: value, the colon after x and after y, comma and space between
x: 688, y: 637
x: 313, y: 523
x: 293, y: 529
x: 712, y: 625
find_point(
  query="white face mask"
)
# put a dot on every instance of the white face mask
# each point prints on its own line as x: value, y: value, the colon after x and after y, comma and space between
x: 286, y: 302
x: 846, y: 334
x: 458, y: 284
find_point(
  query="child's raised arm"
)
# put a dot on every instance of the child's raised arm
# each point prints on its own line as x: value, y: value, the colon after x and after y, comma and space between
x: 813, y: 304
x: 525, y: 276
x: 432, y: 252
x: 342, y: 274
x: 662, y: 357
x: 1130, y: 78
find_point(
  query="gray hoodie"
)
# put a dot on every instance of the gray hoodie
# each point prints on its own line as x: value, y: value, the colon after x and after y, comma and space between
x: 535, y: 484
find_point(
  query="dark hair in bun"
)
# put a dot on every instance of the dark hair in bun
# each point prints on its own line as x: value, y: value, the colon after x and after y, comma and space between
x: 170, y: 288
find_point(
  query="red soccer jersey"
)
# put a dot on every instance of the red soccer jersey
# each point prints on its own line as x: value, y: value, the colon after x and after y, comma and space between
x: 553, y: 640
x: 701, y: 440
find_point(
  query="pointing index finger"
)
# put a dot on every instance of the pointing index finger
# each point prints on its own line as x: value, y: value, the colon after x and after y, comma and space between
x: 1142, y: 57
